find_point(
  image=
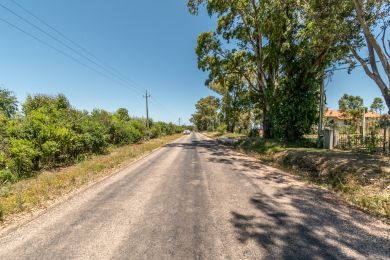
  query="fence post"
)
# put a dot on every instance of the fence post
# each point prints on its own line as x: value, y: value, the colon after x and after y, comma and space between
x: 335, y: 138
x: 328, y: 139
x: 388, y: 143
x: 384, y: 139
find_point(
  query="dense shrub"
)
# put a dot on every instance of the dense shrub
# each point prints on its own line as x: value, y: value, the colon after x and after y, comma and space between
x: 49, y: 132
x: 222, y: 128
x: 24, y: 157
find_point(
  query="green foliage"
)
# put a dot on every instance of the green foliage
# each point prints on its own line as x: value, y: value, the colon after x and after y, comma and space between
x: 295, y: 109
x: 159, y: 129
x: 24, y: 157
x: 264, y: 54
x: 33, y: 103
x: 205, y: 117
x: 51, y: 133
x: 6, y: 176
x: 377, y: 105
x: 353, y: 107
x: 222, y: 128
x: 8, y: 103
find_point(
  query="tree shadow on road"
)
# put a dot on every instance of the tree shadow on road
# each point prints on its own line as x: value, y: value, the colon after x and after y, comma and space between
x: 313, y: 229
x: 299, y: 221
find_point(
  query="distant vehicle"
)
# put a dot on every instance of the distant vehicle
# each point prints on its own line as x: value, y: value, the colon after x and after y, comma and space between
x: 186, y: 132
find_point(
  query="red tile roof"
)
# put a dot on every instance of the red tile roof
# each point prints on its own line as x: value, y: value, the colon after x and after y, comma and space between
x: 340, y: 115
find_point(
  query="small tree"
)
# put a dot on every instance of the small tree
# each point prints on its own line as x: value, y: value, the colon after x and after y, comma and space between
x: 377, y: 105
x: 352, y: 106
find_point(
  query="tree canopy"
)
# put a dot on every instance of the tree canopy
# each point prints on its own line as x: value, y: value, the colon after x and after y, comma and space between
x: 278, y: 50
x: 206, y: 114
x: 377, y: 105
x: 8, y: 103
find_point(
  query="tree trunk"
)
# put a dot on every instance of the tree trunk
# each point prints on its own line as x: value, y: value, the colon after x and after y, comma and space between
x: 266, y: 124
x: 387, y: 101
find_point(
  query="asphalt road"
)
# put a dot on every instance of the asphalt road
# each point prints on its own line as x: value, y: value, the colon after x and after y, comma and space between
x: 195, y: 200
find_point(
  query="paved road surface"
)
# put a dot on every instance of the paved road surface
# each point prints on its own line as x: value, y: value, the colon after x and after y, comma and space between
x: 195, y: 200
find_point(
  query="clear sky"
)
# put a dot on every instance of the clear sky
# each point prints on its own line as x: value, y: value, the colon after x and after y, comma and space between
x: 151, y: 43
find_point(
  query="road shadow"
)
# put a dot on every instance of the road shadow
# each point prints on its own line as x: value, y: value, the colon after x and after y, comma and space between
x: 194, y: 144
x: 319, y: 230
x: 298, y: 221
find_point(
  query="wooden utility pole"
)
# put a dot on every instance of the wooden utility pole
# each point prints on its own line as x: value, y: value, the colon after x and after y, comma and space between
x: 147, y: 108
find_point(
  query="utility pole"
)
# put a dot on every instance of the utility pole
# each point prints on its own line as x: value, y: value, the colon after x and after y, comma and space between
x: 179, y: 121
x: 147, y: 108
x: 322, y: 101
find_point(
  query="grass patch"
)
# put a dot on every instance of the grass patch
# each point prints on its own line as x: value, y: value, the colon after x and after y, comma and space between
x: 359, y: 178
x: 28, y: 194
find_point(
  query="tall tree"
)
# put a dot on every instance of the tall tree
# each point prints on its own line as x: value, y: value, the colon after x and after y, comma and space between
x: 352, y: 106
x: 205, y: 117
x: 240, y: 26
x: 377, y: 105
x: 270, y: 43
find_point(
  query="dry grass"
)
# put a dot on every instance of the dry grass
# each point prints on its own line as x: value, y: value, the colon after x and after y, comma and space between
x: 47, y: 186
x: 361, y: 179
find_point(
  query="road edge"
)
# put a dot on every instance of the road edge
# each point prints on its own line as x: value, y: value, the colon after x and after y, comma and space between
x: 27, y: 217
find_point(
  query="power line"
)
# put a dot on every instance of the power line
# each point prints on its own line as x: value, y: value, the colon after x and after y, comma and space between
x: 118, y: 77
x: 61, y: 42
x: 61, y: 34
x: 98, y: 62
x: 85, y: 50
x: 55, y: 48
x: 62, y: 52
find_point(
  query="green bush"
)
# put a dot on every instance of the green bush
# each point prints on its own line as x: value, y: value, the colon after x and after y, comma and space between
x: 24, y: 157
x: 7, y: 176
x: 222, y: 128
x: 50, y: 132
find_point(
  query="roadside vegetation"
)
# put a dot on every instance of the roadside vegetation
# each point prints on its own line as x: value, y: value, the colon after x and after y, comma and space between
x: 48, y: 134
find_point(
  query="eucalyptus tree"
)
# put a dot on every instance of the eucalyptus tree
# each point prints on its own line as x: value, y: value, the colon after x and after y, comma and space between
x: 280, y: 48
x: 239, y: 35
x: 205, y: 116
x: 235, y: 99
x: 304, y: 45
x: 372, y: 18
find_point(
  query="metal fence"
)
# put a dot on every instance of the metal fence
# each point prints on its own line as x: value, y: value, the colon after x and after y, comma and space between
x: 372, y: 140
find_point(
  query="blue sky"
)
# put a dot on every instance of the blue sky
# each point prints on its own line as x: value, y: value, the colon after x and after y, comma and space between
x: 150, y: 42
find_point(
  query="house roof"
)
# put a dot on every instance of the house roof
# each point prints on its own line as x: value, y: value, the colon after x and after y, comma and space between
x: 371, y: 114
x: 332, y: 113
